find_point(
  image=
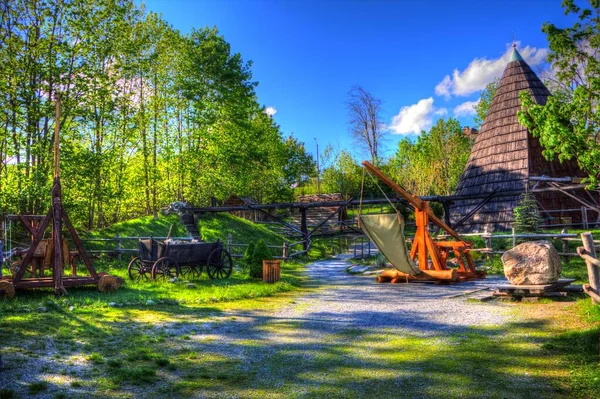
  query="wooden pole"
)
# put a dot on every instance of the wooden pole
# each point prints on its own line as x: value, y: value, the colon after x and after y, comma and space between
x: 593, y: 274
x: 57, y: 138
x: 304, y: 228
x: 413, y: 200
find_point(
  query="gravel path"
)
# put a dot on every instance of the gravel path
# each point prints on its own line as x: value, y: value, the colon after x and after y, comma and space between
x: 345, y: 301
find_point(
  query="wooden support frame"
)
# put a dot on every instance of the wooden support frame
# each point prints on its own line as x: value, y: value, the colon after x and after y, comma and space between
x: 57, y: 218
x: 424, y: 248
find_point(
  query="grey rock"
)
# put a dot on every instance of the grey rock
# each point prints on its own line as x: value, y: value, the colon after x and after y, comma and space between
x: 534, y: 262
x: 42, y: 309
x: 112, y: 304
x: 190, y: 285
x: 150, y: 302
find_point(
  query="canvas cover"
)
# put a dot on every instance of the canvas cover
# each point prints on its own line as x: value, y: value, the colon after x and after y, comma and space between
x: 386, y: 231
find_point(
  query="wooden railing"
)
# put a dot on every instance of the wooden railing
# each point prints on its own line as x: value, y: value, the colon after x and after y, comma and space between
x: 588, y: 253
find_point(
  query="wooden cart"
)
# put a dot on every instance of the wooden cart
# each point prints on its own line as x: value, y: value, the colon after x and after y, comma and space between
x: 165, y: 260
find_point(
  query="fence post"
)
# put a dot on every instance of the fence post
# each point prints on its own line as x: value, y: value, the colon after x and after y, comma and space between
x: 229, y: 242
x: 593, y: 274
x: 488, y: 244
x: 354, y: 245
x: 369, y: 246
x: 119, y: 246
x: 514, y: 237
x: 584, y: 219
x: 285, y: 250
x: 362, y: 248
x: 565, y: 246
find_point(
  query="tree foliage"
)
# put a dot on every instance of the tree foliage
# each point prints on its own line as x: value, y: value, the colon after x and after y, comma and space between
x: 527, y: 214
x: 485, y: 100
x: 433, y: 164
x: 149, y: 115
x: 568, y: 125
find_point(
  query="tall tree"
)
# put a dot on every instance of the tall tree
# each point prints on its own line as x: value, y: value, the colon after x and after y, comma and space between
x: 365, y: 121
x: 485, y: 100
x: 568, y: 125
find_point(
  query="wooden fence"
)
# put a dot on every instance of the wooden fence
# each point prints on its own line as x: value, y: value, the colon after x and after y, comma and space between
x: 588, y: 253
x: 287, y: 250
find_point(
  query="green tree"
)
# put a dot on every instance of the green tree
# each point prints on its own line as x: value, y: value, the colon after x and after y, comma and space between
x: 527, y: 215
x: 485, y: 100
x: 568, y: 125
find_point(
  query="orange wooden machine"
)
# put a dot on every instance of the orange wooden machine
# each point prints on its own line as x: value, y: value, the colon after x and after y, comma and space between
x: 432, y: 255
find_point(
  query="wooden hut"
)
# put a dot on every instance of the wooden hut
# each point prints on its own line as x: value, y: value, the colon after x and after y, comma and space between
x: 506, y: 157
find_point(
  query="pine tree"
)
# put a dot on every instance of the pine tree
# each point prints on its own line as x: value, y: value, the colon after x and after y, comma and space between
x: 527, y: 214
x: 261, y: 252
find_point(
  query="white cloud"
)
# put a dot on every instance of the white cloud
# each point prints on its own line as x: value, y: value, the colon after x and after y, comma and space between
x: 482, y: 71
x: 270, y: 111
x: 466, y: 109
x: 415, y: 118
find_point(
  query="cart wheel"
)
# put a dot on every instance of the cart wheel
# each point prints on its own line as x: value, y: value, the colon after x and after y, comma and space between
x: 7, y: 290
x: 165, y: 268
x: 137, y: 270
x: 219, y: 264
x: 190, y: 271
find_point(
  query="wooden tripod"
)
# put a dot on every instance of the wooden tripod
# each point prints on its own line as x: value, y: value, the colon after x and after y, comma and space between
x: 424, y: 247
x: 57, y: 215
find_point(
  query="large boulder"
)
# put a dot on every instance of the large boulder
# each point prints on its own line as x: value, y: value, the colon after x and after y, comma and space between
x: 535, y: 262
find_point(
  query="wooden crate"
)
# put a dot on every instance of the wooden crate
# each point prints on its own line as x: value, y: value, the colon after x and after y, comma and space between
x: 271, y: 271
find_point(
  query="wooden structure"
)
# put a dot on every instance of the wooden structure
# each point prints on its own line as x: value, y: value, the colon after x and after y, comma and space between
x: 507, y: 158
x: 588, y: 253
x: 162, y: 260
x: 424, y: 248
x: 271, y: 271
x: 252, y: 215
x: 56, y: 218
x: 558, y: 288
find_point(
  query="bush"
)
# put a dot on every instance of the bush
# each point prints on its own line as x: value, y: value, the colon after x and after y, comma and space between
x: 261, y: 252
x: 527, y: 214
x: 248, y: 254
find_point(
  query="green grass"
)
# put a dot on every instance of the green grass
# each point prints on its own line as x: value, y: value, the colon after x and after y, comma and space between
x: 140, y: 227
x: 218, y: 226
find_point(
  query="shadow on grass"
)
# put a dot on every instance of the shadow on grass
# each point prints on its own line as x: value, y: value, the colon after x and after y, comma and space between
x: 179, y: 350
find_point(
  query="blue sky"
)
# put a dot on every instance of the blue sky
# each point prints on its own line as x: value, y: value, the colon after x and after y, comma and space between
x: 423, y: 59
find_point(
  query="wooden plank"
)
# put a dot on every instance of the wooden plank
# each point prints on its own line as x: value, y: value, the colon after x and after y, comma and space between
x: 48, y: 282
x: 563, y: 282
x: 464, y: 293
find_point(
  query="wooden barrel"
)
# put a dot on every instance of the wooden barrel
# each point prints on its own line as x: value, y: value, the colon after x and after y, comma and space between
x: 271, y: 271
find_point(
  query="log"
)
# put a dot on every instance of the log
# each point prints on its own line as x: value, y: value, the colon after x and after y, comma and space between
x: 383, y: 279
x: 593, y: 272
x: 445, y: 275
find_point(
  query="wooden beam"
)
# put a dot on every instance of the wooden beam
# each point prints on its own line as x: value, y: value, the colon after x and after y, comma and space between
x: 576, y: 198
x: 39, y: 234
x: 430, y: 198
x: 328, y: 218
x: 414, y: 200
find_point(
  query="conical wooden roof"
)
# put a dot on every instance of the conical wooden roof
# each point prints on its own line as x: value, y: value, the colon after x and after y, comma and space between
x: 504, y: 154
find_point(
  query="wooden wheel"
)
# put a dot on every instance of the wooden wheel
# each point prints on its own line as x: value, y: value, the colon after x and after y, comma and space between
x: 7, y: 290
x: 219, y: 264
x: 137, y: 270
x: 165, y: 268
x: 108, y: 283
x: 190, y: 271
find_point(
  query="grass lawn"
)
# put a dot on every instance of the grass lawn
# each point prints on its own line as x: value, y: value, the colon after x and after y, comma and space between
x: 140, y: 227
